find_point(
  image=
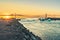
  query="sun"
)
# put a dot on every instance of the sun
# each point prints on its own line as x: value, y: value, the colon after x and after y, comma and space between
x: 7, y: 17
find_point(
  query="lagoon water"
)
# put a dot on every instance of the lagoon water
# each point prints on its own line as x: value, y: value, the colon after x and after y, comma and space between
x: 47, y: 30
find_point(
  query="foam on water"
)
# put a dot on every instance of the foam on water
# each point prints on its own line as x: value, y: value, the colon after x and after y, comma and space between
x: 46, y: 30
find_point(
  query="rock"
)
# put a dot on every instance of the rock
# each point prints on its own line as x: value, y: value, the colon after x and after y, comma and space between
x: 13, y: 30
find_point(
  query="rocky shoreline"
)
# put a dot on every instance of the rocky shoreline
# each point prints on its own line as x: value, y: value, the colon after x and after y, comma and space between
x: 13, y: 30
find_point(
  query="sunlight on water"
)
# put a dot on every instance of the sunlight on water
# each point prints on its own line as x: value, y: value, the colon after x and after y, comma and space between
x: 46, y: 30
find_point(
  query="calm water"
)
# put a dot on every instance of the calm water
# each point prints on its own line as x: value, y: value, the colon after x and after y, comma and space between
x: 46, y: 30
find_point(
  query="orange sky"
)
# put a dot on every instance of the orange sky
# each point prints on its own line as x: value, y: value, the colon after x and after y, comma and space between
x: 31, y: 8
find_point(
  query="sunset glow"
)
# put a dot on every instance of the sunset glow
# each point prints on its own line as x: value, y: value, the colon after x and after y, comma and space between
x: 6, y: 17
x: 30, y: 7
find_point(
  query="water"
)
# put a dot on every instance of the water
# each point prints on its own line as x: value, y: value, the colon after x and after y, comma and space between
x: 46, y: 30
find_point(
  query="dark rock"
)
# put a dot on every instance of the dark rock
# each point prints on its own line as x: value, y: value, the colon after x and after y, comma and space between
x: 13, y: 30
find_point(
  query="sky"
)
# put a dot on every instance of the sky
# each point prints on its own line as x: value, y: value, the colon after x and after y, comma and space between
x: 30, y: 7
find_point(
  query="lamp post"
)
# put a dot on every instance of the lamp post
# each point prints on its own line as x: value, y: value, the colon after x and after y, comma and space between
x: 46, y: 16
x: 15, y: 15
